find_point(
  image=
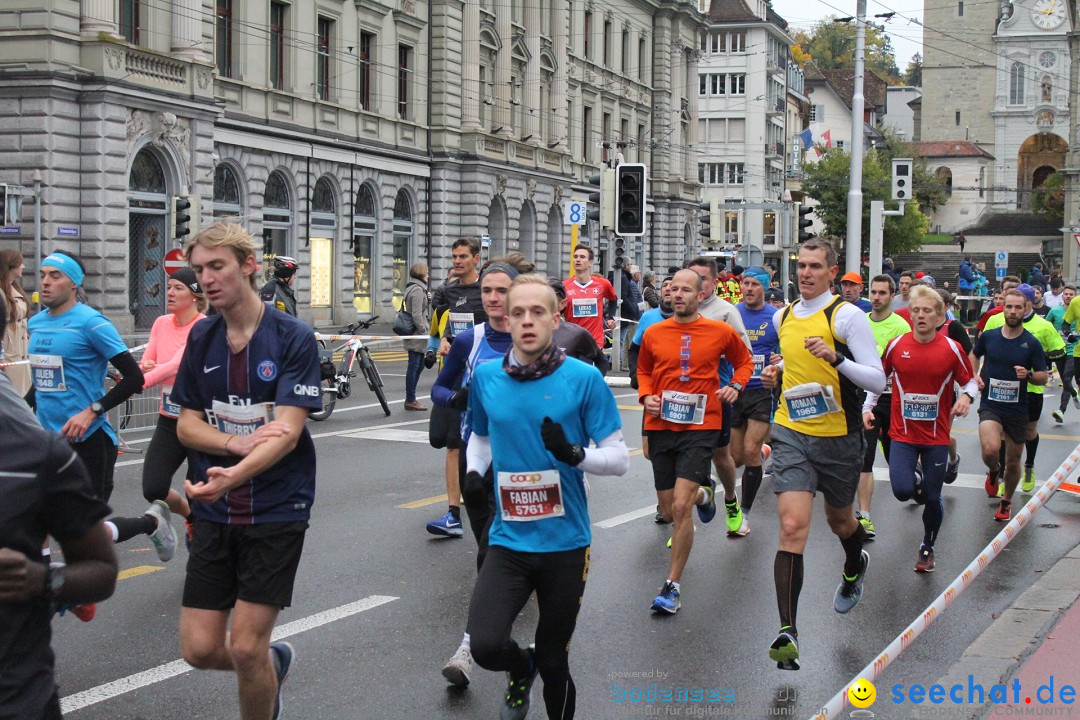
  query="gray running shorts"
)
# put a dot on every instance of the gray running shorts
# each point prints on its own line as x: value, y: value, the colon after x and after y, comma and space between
x: 809, y: 463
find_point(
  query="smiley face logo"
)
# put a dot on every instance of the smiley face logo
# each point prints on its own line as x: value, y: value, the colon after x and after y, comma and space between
x: 862, y: 693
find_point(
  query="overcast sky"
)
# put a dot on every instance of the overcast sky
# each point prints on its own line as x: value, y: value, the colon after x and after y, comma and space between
x: 906, y: 36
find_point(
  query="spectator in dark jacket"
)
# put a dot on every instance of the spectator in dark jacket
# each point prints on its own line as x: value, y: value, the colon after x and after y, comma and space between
x: 966, y: 277
x: 1036, y: 277
x: 648, y: 289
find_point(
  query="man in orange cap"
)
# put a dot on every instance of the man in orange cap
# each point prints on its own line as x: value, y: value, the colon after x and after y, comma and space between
x: 852, y: 285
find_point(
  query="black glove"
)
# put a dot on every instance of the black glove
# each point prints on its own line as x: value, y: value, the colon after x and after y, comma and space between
x: 430, y: 358
x: 460, y: 399
x: 556, y: 443
x: 473, y: 489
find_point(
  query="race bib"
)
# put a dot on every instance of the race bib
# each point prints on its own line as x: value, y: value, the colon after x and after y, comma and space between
x: 888, y: 385
x: 586, y: 307
x: 168, y: 407
x: 1005, y: 391
x: 682, y: 408
x: 919, y: 406
x: 48, y: 373
x: 759, y: 365
x: 809, y: 401
x: 240, y: 419
x: 526, y: 496
x: 460, y: 322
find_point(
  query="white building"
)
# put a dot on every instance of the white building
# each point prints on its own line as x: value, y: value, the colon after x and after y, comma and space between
x: 899, y: 115
x: 358, y: 137
x: 963, y: 168
x: 742, y: 105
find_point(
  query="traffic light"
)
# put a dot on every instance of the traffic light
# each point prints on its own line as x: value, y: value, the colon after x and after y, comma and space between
x: 602, y: 202
x: 802, y: 221
x: 185, y: 212
x: 712, y: 224
x: 901, y: 178
x: 620, y: 254
x: 630, y: 199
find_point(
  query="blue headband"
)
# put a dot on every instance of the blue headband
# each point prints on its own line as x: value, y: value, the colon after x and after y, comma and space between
x: 66, y: 265
x: 499, y: 266
x: 758, y: 273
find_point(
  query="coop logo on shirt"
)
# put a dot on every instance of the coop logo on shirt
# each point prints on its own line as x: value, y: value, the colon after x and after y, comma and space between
x: 267, y: 370
x: 526, y: 477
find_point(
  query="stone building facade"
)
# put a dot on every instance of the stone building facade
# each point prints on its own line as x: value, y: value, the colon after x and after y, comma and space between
x: 357, y: 137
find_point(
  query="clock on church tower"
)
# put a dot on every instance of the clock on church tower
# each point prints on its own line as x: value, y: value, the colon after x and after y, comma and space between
x: 1048, y: 14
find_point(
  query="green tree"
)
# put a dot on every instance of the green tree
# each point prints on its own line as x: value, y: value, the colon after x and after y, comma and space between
x: 831, y: 45
x: 913, y: 73
x: 826, y: 183
x: 1049, y: 198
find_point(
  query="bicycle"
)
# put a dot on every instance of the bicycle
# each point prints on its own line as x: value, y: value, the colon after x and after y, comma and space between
x: 335, y: 380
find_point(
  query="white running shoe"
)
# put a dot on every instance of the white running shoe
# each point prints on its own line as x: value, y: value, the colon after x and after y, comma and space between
x: 458, y: 670
x: 163, y: 537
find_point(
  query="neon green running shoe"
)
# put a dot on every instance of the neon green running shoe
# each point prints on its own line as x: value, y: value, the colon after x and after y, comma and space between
x: 1028, y: 483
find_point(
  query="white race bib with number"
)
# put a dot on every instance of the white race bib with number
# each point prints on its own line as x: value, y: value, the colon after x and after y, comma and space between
x: 919, y: 406
x: 682, y: 408
x: 1004, y: 391
x: 240, y: 419
x: 586, y: 307
x: 809, y: 401
x: 168, y: 407
x: 759, y: 365
x: 526, y: 496
x: 48, y: 373
x: 460, y: 322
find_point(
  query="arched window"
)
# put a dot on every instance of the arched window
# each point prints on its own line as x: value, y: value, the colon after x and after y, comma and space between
x: 365, y: 227
x: 1016, y: 84
x: 323, y: 230
x: 277, y: 220
x: 226, y: 192
x: 403, y: 234
x: 147, y: 175
x: 944, y: 174
x: 148, y: 237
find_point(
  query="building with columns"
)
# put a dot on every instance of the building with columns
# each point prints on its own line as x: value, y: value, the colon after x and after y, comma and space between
x: 357, y: 137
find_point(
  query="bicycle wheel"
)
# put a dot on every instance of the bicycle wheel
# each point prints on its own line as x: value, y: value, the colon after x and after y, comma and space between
x: 374, y: 380
x: 329, y: 401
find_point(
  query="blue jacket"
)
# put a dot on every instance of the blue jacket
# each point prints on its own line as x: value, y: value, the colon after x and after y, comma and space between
x: 967, y: 276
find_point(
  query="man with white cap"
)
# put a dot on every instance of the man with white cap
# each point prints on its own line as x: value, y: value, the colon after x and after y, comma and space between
x: 71, y: 345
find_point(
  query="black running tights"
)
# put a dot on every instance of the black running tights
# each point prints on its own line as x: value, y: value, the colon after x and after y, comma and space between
x: 504, y: 585
x: 164, y: 456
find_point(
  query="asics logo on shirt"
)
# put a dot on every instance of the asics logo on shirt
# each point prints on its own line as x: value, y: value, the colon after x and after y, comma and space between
x: 209, y: 369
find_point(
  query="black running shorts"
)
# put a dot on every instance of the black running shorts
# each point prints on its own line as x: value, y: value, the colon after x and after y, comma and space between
x: 253, y: 563
x: 754, y: 404
x: 1015, y: 426
x: 686, y: 454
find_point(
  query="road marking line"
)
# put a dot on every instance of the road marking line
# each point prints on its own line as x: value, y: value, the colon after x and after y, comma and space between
x: 101, y: 693
x: 635, y: 451
x: 423, y: 503
x: 391, y: 434
x: 629, y: 407
x: 627, y: 517
x: 137, y: 571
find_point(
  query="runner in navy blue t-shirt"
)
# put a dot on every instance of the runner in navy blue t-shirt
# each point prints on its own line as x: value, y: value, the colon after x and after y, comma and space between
x: 1012, y: 357
x: 248, y: 379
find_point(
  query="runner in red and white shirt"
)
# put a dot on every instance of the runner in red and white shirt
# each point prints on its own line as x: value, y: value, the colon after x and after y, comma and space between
x: 924, y: 365
x: 585, y: 296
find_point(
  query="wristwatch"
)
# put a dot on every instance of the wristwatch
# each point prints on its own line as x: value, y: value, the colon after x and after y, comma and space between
x: 54, y: 581
x: 738, y: 386
x: 838, y: 361
x: 97, y: 408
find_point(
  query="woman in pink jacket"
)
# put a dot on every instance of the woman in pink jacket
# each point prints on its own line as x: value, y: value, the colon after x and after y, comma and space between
x: 168, y: 337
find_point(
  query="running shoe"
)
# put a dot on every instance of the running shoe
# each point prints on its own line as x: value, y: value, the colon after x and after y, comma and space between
x: 1004, y: 511
x: 1059, y: 416
x: 952, y: 471
x: 1028, y: 483
x: 85, y: 612
x: 991, y: 484
x: 459, y: 669
x: 925, y: 563
x: 668, y: 600
x: 917, y: 496
x: 282, y: 655
x: 518, y: 691
x: 850, y: 590
x: 785, y: 650
x: 658, y: 518
x: 1076, y: 398
x: 734, y: 516
x: 163, y: 537
x: 669, y: 543
x: 867, y: 524
x: 1001, y: 488
x: 447, y: 526
x: 766, y: 459
x: 707, y: 511
x: 189, y: 535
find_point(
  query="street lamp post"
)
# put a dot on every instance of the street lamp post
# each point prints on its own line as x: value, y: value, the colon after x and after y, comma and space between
x: 854, y: 205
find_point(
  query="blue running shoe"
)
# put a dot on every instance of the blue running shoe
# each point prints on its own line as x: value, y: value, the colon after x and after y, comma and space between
x: 668, y: 600
x: 708, y: 511
x: 282, y: 654
x: 447, y: 526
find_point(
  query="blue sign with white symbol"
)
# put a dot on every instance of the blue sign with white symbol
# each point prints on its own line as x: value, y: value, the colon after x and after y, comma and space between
x: 67, y: 231
x: 10, y: 230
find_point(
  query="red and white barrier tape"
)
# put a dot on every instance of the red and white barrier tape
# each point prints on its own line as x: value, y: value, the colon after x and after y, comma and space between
x: 371, y: 338
x: 885, y: 658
